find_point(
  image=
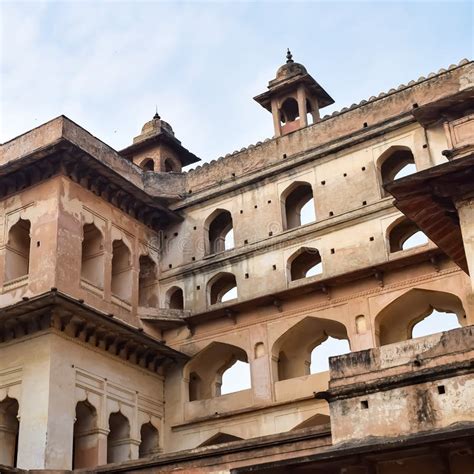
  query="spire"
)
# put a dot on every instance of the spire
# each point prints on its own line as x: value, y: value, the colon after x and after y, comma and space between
x: 289, y: 56
x: 156, y: 116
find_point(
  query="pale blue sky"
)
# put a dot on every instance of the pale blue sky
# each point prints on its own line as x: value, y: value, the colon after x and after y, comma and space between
x: 106, y: 64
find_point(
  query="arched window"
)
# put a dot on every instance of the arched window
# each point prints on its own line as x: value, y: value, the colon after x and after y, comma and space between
x: 147, y: 283
x: 395, y: 163
x: 417, y: 313
x: 236, y: 378
x: 293, y: 350
x: 9, y: 427
x: 222, y: 288
x: 17, y: 252
x: 175, y: 298
x: 289, y: 110
x: 86, y: 437
x: 206, y: 369
x: 121, y: 271
x: 219, y: 228
x: 92, y: 260
x: 328, y: 348
x: 220, y: 438
x: 148, y: 164
x: 171, y: 166
x: 404, y: 235
x: 297, y: 205
x: 304, y: 263
x: 149, y: 440
x: 118, y: 439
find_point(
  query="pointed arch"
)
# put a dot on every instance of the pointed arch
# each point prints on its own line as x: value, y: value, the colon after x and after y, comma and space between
x: 204, y: 371
x: 174, y: 298
x: 395, y: 162
x: 292, y: 350
x: 148, y: 164
x: 86, y: 437
x: 121, y: 270
x: 118, y: 439
x: 404, y: 234
x: 220, y: 438
x: 219, y: 229
x: 293, y: 199
x: 221, y: 286
x: 149, y: 437
x: 305, y: 262
x: 395, y: 322
x: 92, y: 256
x: 9, y: 429
x: 17, y: 250
x: 316, y: 420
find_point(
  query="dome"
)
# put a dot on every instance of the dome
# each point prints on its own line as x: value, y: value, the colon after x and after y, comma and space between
x: 156, y: 125
x: 290, y: 68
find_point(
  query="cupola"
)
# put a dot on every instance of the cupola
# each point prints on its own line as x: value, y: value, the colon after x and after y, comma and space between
x: 293, y: 97
x: 157, y: 149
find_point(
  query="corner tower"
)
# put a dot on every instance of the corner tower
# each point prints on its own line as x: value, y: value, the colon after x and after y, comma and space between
x: 293, y: 96
x: 157, y: 149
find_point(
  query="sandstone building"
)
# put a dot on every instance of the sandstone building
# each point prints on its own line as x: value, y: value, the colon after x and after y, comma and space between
x: 129, y: 289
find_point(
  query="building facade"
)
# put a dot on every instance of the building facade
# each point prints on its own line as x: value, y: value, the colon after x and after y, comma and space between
x: 129, y: 289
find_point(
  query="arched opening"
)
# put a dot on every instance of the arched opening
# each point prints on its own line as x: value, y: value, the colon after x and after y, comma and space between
x: 222, y: 288
x: 236, y: 378
x: 17, y: 251
x: 395, y: 163
x: 206, y: 369
x: 86, y: 437
x: 403, y: 234
x: 435, y: 322
x: 220, y: 438
x: 329, y: 348
x: 298, y: 205
x: 175, y: 298
x: 399, y: 320
x: 118, y: 439
x: 292, y: 352
x: 148, y: 164
x: 149, y: 441
x: 92, y: 259
x: 219, y: 228
x: 171, y: 166
x: 9, y: 428
x: 121, y: 271
x: 304, y: 263
x: 289, y: 110
x: 147, y: 283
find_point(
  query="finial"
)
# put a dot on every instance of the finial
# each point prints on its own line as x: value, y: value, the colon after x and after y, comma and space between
x: 289, y: 56
x: 156, y: 116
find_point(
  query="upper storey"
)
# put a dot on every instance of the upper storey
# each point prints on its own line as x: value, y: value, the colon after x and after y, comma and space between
x: 293, y: 97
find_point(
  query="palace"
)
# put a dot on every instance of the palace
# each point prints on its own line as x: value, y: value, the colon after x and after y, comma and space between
x: 156, y: 320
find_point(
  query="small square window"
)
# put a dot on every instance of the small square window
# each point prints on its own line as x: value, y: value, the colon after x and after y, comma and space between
x: 364, y: 404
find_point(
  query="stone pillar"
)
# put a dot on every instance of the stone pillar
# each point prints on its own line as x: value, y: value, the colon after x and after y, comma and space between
x: 276, y: 118
x: 466, y: 220
x: 302, y: 109
x: 260, y: 365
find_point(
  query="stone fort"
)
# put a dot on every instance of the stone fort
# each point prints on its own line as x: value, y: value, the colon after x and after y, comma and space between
x: 154, y: 320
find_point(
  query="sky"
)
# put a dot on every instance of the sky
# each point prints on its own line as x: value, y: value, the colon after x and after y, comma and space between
x: 107, y: 65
